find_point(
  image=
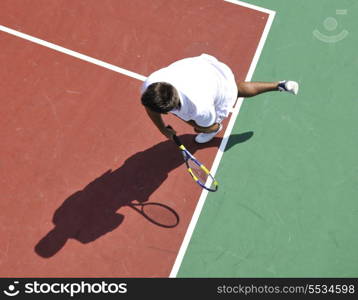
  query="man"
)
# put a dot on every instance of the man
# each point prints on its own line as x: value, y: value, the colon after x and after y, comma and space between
x: 201, y: 91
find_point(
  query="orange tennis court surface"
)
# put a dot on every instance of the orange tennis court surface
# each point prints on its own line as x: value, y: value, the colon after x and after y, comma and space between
x: 77, y: 147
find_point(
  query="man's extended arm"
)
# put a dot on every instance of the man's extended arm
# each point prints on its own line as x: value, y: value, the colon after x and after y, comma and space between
x: 159, y: 123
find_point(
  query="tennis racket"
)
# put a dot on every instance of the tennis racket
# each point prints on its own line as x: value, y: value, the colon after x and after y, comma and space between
x: 196, y: 169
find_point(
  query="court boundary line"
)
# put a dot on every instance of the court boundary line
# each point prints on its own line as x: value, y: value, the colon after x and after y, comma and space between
x: 72, y: 53
x: 229, y: 128
x: 251, y: 6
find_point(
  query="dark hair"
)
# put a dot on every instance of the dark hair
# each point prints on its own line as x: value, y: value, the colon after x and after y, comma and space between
x: 161, y: 97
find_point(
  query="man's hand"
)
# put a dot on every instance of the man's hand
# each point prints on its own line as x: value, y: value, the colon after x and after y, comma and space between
x: 168, y: 132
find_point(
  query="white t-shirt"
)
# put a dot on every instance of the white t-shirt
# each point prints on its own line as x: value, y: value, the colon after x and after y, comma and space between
x: 206, y: 87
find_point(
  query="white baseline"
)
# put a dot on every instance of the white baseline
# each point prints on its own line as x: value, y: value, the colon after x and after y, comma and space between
x: 72, y: 53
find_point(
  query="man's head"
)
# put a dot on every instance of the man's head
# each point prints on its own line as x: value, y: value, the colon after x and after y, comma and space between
x: 161, y: 97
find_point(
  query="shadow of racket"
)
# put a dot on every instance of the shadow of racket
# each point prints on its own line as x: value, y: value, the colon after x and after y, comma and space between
x: 157, y: 213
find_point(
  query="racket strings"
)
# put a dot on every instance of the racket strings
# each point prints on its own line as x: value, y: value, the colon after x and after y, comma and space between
x: 202, y: 175
x: 198, y: 171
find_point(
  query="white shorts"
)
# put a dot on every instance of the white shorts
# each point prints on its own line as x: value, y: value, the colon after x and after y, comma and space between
x: 229, y: 91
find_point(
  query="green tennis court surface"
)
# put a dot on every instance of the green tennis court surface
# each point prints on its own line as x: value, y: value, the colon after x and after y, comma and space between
x: 287, y: 204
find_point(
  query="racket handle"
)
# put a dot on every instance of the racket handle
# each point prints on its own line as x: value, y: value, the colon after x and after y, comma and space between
x: 175, y: 138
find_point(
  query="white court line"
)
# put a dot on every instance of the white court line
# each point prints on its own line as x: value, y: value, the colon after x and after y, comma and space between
x: 251, y: 6
x: 72, y: 53
x: 224, y: 141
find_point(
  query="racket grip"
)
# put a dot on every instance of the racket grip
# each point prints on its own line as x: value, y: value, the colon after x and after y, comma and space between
x: 175, y: 138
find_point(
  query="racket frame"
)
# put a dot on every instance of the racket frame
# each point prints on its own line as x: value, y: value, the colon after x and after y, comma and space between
x: 188, y: 156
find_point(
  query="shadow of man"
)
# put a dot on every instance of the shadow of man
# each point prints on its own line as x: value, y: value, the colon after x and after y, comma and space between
x: 92, y: 212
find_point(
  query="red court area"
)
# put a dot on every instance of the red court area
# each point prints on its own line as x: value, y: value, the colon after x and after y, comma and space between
x: 77, y: 149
